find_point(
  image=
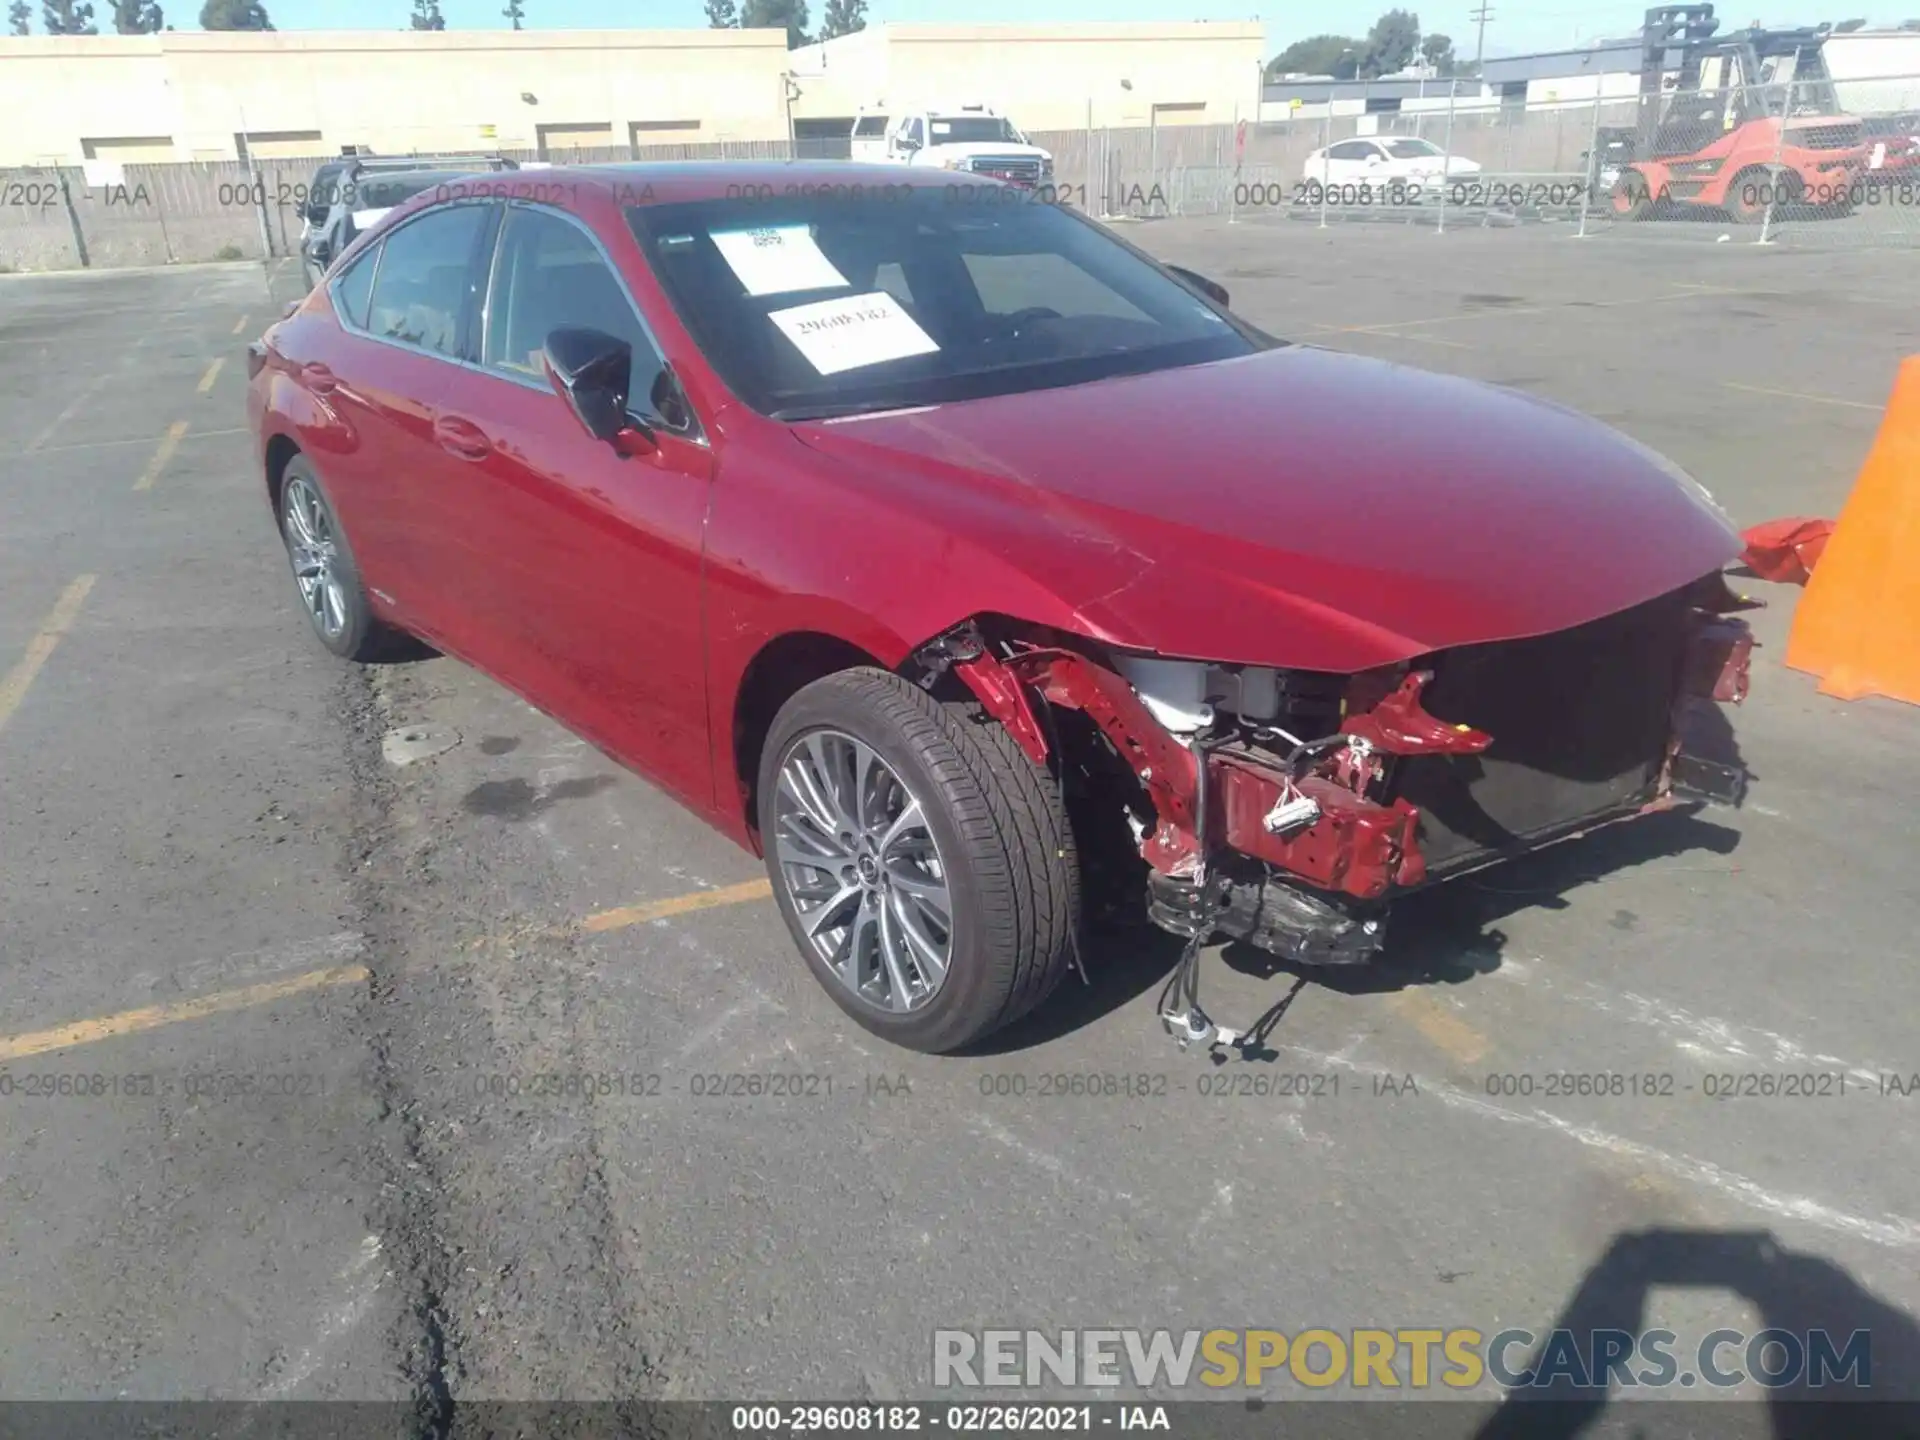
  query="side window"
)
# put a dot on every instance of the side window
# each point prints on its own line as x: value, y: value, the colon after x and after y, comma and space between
x: 420, y: 291
x: 551, y: 276
x: 354, y: 286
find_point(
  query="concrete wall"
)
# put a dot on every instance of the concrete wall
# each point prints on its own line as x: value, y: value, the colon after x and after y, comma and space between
x: 1045, y: 76
x: 193, y: 96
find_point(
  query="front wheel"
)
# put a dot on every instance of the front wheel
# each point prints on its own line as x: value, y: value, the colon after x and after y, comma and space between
x: 1631, y: 198
x: 922, y: 862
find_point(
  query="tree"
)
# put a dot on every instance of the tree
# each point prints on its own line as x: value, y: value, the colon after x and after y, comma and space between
x: 722, y: 15
x: 1335, y: 55
x: 427, y: 16
x: 1847, y: 27
x: 19, y: 14
x: 1391, y: 44
x: 788, y: 15
x: 234, y: 15
x: 138, y: 17
x: 843, y: 17
x: 66, y: 17
x: 515, y: 12
x: 1437, y: 51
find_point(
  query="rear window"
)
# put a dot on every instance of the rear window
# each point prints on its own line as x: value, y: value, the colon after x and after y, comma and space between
x: 384, y: 192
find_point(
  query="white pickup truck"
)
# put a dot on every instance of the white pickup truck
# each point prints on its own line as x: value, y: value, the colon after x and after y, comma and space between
x: 974, y: 138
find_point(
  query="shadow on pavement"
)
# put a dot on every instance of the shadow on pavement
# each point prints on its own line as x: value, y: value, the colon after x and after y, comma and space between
x: 1811, y: 1300
x: 1446, y: 935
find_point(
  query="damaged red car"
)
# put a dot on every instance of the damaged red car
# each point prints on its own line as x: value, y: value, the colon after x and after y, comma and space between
x: 977, y: 569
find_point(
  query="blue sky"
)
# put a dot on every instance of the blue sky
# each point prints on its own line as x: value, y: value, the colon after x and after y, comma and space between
x: 1516, y: 28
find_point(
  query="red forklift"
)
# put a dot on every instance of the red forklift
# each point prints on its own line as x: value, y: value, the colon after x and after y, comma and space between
x: 1739, y: 124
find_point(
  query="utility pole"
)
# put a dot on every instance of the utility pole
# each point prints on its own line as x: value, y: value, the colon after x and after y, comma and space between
x: 1482, y: 15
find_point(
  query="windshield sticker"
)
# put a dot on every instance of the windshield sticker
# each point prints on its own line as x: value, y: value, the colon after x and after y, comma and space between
x: 777, y: 260
x: 852, y: 331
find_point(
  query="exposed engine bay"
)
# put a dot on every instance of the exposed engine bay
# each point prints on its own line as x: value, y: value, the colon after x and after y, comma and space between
x: 1289, y: 808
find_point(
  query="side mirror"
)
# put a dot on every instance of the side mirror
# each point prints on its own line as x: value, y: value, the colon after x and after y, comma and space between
x: 592, y: 370
x: 1212, y: 289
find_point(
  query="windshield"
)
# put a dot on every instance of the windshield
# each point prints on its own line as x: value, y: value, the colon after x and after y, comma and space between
x: 1411, y: 149
x: 814, y: 305
x: 973, y: 130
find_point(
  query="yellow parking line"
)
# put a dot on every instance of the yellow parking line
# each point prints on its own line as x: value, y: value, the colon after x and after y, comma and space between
x: 1394, y: 335
x: 1800, y: 395
x: 152, y: 1017
x: 213, y: 371
x: 59, y: 620
x: 168, y: 443
x: 241, y: 324
x: 135, y: 440
x: 626, y: 915
x: 1460, y: 1041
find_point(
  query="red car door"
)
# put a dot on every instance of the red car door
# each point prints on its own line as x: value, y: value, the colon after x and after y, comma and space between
x: 585, y: 562
x: 404, y: 310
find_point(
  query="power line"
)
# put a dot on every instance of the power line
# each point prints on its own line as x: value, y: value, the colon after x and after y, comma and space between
x: 1483, y: 14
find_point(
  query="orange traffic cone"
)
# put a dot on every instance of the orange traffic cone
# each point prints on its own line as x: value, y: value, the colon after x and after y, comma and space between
x: 1858, y: 626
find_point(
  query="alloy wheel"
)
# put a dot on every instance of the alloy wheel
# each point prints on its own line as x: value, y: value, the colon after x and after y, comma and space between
x: 862, y: 870
x: 314, y: 552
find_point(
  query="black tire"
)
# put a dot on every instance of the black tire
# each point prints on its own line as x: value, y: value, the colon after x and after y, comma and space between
x: 1630, y: 198
x: 1752, y: 194
x: 360, y: 637
x: 1004, y: 842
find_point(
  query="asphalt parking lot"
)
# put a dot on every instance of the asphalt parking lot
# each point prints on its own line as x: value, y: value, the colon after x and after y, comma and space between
x: 303, y: 997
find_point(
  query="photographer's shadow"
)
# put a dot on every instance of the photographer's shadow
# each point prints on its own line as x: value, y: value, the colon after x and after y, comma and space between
x: 1797, y: 1293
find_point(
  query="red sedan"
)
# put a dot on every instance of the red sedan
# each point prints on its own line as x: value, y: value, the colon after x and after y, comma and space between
x: 971, y: 566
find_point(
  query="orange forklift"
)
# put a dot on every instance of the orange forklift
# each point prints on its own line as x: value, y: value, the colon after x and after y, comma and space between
x: 1744, y: 123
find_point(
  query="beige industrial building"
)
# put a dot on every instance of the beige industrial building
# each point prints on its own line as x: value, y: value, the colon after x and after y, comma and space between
x: 1047, y: 77
x: 199, y: 96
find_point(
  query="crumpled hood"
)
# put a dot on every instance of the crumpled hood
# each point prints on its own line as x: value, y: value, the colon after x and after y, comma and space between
x: 1299, y: 507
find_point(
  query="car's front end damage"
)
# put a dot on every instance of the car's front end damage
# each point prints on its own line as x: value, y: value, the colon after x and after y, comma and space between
x: 1290, y: 808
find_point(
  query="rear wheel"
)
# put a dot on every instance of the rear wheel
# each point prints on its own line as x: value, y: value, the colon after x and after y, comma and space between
x: 922, y: 862
x: 1755, y: 191
x: 324, y: 573
x: 1631, y: 199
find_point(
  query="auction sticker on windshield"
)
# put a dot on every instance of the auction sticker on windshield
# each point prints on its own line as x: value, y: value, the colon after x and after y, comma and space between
x: 777, y: 260
x: 852, y: 331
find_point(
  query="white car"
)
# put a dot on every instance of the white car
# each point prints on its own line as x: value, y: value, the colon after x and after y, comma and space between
x: 1383, y: 169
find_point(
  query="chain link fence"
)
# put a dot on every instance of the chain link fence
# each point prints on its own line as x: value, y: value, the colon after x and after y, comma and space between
x: 1794, y: 164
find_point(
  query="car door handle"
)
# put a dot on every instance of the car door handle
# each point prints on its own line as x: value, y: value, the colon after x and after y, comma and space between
x: 462, y: 438
x: 319, y: 378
